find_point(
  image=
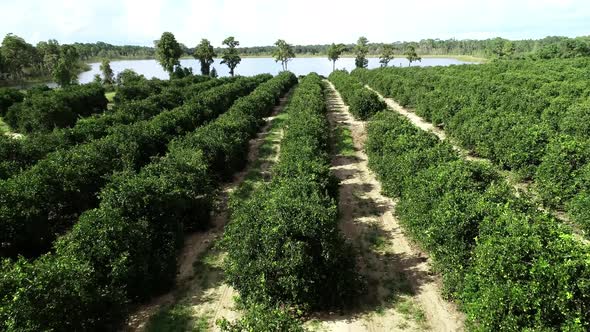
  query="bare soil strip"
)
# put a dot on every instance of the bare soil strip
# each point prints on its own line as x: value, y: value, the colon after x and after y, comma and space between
x: 402, y: 294
x: 509, y: 176
x: 427, y: 126
x: 200, y: 291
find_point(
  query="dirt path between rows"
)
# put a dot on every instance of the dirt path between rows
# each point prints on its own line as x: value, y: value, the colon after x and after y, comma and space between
x: 509, y: 176
x: 402, y: 294
x: 199, y: 283
x: 426, y: 126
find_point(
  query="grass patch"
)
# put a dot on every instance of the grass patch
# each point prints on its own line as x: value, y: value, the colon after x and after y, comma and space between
x: 397, y: 286
x: 343, y: 143
x: 375, y: 238
x: 179, y: 318
x: 412, y: 311
x: 466, y: 58
x: 110, y: 96
x: 4, y: 127
x: 315, y: 325
x: 266, y: 152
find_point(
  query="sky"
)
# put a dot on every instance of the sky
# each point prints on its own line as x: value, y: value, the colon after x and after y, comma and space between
x: 262, y: 22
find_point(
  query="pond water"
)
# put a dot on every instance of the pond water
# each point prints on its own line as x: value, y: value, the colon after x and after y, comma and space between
x: 254, y: 66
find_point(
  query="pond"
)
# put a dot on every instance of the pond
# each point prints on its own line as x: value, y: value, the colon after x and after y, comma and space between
x: 253, y: 66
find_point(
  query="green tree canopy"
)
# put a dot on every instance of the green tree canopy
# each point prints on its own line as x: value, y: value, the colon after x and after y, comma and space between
x: 48, y: 53
x: 387, y: 54
x: 411, y: 54
x: 283, y: 53
x: 107, y: 72
x: 213, y: 72
x: 66, y: 69
x: 334, y: 52
x: 205, y: 53
x: 168, y: 52
x: 361, y: 50
x: 17, y: 54
x: 230, y: 55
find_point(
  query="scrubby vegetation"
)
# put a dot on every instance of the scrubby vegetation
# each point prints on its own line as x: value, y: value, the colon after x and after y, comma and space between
x: 362, y: 101
x: 510, y: 266
x: 44, y: 200
x: 42, y: 111
x: 125, y: 250
x: 284, y: 246
x: 527, y: 116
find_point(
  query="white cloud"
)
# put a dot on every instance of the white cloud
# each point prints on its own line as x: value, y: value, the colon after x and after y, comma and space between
x: 261, y: 22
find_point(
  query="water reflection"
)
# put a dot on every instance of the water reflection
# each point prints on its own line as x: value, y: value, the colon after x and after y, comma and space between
x: 253, y: 66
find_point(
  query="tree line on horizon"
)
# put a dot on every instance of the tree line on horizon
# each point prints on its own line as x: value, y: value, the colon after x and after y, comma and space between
x: 169, y: 51
x: 20, y: 61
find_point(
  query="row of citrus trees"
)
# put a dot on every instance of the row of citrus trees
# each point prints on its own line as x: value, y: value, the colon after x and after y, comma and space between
x: 283, y: 242
x: 136, y: 100
x: 363, y: 103
x: 45, y: 200
x: 126, y: 249
x: 42, y: 109
x: 508, y: 265
x: 532, y: 117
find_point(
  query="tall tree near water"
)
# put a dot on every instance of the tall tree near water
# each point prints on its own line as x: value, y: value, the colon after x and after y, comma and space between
x: 334, y: 52
x: 283, y: 53
x: 107, y: 72
x: 411, y: 54
x: 205, y: 53
x: 386, y: 55
x: 48, y: 53
x: 65, y: 71
x: 230, y: 54
x: 168, y: 52
x: 361, y: 50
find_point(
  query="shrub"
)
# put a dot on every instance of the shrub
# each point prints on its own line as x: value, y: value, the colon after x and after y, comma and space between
x: 261, y: 318
x: 362, y: 101
x: 562, y: 164
x: 283, y: 243
x: 45, y: 110
x: 8, y: 97
x: 125, y: 250
x: 50, y: 196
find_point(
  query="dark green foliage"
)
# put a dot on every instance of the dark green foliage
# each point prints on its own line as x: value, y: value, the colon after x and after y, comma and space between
x: 511, y: 267
x: 362, y: 101
x: 559, y: 177
x: 8, y: 97
x: 56, y: 293
x: 41, y: 112
x: 579, y: 209
x: 261, y: 318
x: 531, y: 117
x: 283, y: 242
x: 168, y: 52
x: 49, y: 196
x: 19, y: 154
x: 126, y: 249
x: 528, y: 274
x: 399, y: 151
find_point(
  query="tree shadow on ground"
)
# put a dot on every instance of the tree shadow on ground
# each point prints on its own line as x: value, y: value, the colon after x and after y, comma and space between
x: 390, y: 272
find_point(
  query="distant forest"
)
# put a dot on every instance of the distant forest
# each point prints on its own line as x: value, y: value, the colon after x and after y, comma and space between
x: 548, y: 47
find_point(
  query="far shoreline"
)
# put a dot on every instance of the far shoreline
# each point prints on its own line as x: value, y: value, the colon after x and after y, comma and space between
x: 466, y: 58
x: 46, y: 79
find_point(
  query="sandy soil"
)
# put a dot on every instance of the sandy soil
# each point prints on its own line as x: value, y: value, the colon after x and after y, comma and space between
x: 426, y: 126
x: 402, y: 293
x: 202, y: 284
